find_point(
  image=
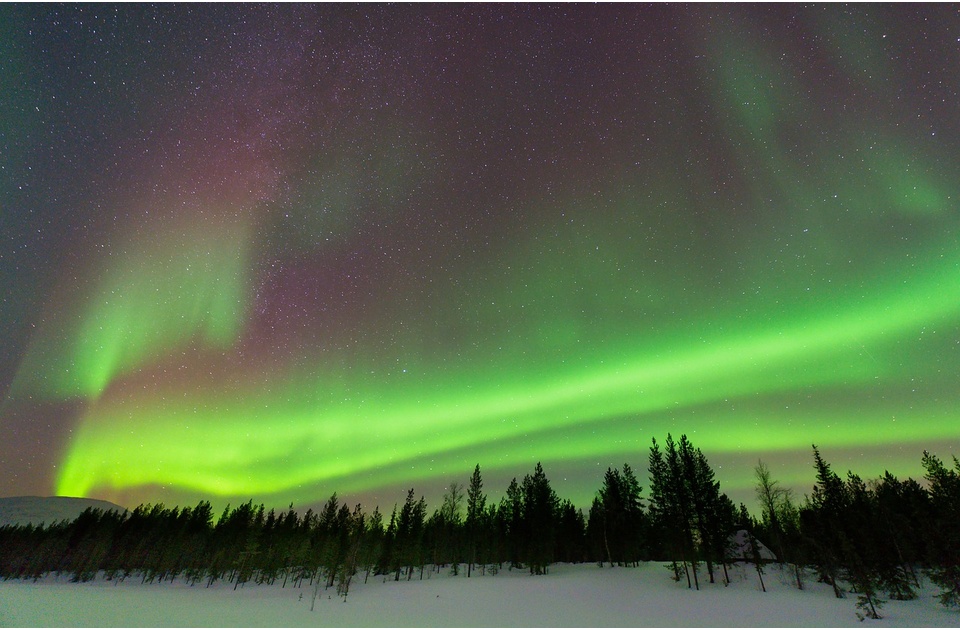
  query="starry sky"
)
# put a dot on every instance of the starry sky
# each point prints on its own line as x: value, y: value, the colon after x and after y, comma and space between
x: 274, y: 252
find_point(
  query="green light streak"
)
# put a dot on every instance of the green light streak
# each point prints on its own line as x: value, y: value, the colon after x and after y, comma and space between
x: 807, y: 260
x: 268, y: 443
x: 147, y: 303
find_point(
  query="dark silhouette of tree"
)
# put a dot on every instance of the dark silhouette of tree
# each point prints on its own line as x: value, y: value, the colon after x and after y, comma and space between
x: 901, y: 507
x: 571, y: 534
x: 860, y: 552
x: 511, y: 524
x: 492, y: 547
x: 617, y: 522
x: 867, y: 538
x: 821, y: 521
x: 539, y: 520
x: 352, y: 537
x: 840, y: 521
x: 944, y: 568
x: 474, y: 526
x: 690, y: 515
x: 89, y: 541
x: 714, y: 513
x: 444, y: 530
x: 372, y: 544
x: 390, y: 556
x: 408, y: 541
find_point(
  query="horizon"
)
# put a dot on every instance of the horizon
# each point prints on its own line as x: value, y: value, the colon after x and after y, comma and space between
x: 433, y: 493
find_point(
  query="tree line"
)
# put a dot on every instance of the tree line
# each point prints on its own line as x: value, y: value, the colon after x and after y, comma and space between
x: 872, y: 539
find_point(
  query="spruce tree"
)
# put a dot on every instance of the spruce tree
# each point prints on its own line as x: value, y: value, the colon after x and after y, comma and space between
x: 902, y: 506
x: 539, y: 520
x: 476, y: 506
x: 372, y: 545
x: 511, y: 518
x: 657, y: 532
x: 944, y: 561
x: 823, y: 521
x: 597, y: 533
x: 571, y: 534
x: 408, y: 542
x: 636, y: 518
x: 861, y: 547
x: 617, y: 521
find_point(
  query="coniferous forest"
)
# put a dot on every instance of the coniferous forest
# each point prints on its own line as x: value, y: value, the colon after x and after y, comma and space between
x: 868, y: 540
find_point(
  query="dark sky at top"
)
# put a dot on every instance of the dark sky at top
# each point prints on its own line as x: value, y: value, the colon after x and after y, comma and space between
x: 280, y: 251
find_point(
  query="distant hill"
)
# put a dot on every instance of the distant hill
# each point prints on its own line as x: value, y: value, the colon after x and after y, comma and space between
x: 48, y: 510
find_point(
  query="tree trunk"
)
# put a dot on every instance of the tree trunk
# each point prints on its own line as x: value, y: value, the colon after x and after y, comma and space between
x: 606, y: 543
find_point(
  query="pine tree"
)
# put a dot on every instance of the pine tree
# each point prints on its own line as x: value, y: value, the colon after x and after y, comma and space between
x: 636, y: 518
x: 352, y: 536
x: 657, y: 532
x: 476, y: 505
x: 408, y: 541
x: 822, y: 519
x: 617, y: 520
x: 511, y: 519
x: 571, y: 533
x: 901, y: 507
x: 389, y: 557
x: 610, y: 515
x: 860, y: 547
x: 672, y: 504
x: 944, y: 568
x: 597, y: 533
x: 539, y: 520
x: 419, y: 517
x: 713, y: 512
x: 372, y: 545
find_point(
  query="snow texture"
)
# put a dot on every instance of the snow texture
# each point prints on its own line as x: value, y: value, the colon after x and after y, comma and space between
x: 570, y: 595
x: 740, y: 548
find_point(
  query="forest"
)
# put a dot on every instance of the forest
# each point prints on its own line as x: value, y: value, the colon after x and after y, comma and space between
x: 869, y: 539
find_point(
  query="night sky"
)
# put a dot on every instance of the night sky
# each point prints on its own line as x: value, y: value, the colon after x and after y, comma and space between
x: 276, y: 252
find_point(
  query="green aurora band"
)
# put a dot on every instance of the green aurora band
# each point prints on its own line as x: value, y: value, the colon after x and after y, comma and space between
x: 145, y: 305
x: 804, y: 287
x: 277, y: 441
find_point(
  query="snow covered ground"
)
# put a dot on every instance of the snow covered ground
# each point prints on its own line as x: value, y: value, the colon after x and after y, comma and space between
x: 570, y: 595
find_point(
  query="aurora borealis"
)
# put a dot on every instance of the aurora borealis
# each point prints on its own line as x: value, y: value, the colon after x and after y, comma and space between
x: 281, y: 251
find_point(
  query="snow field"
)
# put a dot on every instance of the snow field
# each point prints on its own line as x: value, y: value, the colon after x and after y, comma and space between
x: 570, y: 595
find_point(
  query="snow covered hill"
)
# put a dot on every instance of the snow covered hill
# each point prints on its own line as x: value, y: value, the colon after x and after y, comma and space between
x: 739, y: 547
x: 48, y: 510
x: 568, y: 596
